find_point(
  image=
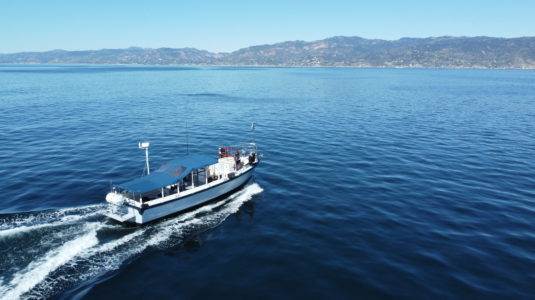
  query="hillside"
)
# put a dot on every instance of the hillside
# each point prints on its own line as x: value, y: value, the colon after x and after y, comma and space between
x: 435, y: 52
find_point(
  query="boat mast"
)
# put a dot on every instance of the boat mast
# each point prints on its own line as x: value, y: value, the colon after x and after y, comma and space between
x: 253, y: 127
x: 187, y: 139
x: 145, y: 145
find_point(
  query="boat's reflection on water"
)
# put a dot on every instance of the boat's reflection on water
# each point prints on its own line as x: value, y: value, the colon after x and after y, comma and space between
x: 196, y: 227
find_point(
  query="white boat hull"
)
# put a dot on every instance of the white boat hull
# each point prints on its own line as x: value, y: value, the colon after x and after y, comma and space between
x: 129, y: 214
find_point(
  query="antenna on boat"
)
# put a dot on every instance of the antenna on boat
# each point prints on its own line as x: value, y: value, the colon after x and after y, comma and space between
x: 253, y: 127
x: 187, y: 139
x: 145, y: 145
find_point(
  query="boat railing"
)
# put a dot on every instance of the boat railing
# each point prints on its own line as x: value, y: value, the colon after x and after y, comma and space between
x: 242, y: 148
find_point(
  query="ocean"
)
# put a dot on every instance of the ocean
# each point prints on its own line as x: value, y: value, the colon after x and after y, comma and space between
x: 374, y: 183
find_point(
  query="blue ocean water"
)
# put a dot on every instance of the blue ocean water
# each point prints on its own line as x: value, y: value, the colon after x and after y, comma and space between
x: 374, y: 183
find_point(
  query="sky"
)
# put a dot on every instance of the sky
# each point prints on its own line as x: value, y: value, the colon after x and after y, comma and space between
x: 228, y: 25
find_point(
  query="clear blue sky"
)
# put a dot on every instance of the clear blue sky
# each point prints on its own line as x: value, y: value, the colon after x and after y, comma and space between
x: 227, y: 25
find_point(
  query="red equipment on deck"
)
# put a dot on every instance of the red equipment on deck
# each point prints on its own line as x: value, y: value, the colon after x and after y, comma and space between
x: 227, y: 152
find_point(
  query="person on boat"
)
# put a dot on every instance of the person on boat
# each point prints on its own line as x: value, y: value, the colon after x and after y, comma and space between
x: 237, y: 160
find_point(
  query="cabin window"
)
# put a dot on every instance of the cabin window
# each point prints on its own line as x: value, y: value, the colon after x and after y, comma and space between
x: 152, y: 195
x: 200, y: 176
x: 186, y: 182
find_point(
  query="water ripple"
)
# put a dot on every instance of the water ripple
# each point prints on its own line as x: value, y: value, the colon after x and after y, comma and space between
x: 377, y: 183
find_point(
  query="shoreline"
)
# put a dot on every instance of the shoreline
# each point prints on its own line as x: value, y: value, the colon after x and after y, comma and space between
x: 274, y: 66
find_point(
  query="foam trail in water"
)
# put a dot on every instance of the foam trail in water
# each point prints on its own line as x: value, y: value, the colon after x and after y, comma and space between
x: 29, y: 218
x: 97, y: 259
x: 49, y: 219
x: 36, y: 271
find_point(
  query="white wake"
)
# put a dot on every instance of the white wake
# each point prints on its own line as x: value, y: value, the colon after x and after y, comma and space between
x: 36, y: 271
x: 91, y: 257
x: 27, y: 223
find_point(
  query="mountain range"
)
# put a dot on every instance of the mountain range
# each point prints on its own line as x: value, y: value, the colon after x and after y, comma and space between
x: 340, y: 51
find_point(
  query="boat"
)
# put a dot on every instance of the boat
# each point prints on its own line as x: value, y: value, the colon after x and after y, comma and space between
x: 181, y: 184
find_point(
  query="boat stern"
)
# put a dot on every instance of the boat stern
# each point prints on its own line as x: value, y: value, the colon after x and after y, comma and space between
x: 117, y: 209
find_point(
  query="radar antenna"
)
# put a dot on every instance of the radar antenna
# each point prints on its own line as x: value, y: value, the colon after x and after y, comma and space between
x: 145, y: 145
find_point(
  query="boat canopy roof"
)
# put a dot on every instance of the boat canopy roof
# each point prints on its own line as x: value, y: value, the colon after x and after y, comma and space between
x: 169, y: 173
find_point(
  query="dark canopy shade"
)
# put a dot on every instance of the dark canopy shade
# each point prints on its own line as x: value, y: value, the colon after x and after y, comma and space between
x: 169, y: 173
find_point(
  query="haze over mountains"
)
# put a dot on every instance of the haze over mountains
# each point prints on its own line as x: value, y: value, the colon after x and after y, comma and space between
x: 434, y: 52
